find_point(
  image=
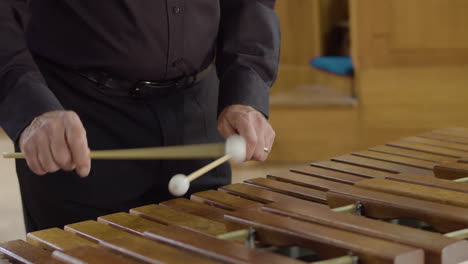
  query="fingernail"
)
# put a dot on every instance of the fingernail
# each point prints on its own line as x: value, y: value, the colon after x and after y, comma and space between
x: 83, y: 172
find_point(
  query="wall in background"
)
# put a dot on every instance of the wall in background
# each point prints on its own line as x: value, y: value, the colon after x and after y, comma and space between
x: 412, y: 74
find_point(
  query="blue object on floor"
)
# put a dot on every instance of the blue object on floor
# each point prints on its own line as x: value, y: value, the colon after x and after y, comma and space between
x: 341, y: 65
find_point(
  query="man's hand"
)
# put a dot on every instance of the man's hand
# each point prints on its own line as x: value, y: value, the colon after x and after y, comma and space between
x: 56, y: 140
x: 250, y: 124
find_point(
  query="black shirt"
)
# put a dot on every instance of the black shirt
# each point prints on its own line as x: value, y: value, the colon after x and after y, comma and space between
x: 136, y: 40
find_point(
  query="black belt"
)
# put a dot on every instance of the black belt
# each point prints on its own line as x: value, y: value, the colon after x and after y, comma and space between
x: 141, y: 89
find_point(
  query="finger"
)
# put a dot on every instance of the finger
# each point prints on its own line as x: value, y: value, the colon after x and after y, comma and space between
x: 267, y: 148
x: 44, y: 153
x: 265, y: 132
x: 247, y: 131
x: 60, y: 150
x: 225, y: 129
x: 269, y: 137
x: 75, y: 135
x: 260, y: 153
x: 32, y: 159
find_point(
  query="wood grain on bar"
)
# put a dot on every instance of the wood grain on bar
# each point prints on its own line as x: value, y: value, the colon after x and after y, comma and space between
x: 446, y: 138
x: 438, y: 248
x: 203, y: 209
x: 132, y: 245
x: 321, y: 184
x: 306, y: 181
x: 122, y: 220
x: 437, y: 143
x: 429, y: 149
x: 261, y: 195
x: 351, y: 169
x: 422, y: 164
x: 222, y: 250
x: 57, y: 239
x: 241, y: 196
x: 196, y: 208
x: 382, y: 165
x: 224, y: 200
x: 297, y: 191
x: 92, y: 255
x: 167, y: 216
x: 455, y: 131
x: 20, y: 251
x: 412, y: 154
x: 430, y: 181
x: 416, y: 191
x: 444, y: 218
x: 452, y: 132
x: 451, y: 171
x: 186, y: 239
x: 419, y: 187
x: 327, y: 174
x: 326, y: 241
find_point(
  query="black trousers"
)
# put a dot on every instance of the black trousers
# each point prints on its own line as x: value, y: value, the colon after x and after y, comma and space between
x: 112, y: 122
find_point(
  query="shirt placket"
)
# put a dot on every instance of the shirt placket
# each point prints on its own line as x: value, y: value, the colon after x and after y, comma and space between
x: 176, y: 14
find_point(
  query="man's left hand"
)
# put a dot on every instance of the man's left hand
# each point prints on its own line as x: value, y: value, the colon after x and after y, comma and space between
x: 250, y: 124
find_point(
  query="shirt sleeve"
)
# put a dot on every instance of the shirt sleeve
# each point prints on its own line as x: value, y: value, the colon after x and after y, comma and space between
x: 23, y: 91
x: 247, y: 53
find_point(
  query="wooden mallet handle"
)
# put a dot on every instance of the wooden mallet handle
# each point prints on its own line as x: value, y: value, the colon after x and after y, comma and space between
x: 199, y: 151
x: 235, y: 150
x: 196, y: 174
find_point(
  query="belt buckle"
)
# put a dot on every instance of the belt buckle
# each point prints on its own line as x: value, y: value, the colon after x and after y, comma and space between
x: 148, y: 88
x: 139, y: 90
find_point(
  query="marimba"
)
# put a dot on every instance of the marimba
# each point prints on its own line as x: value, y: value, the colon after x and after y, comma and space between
x: 332, y: 209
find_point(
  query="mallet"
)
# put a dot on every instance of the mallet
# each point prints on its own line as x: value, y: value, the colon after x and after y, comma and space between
x: 235, y: 150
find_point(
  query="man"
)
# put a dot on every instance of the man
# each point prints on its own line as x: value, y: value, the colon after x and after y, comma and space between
x: 87, y: 74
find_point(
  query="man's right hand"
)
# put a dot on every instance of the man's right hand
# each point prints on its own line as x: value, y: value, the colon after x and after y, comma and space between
x: 56, y: 140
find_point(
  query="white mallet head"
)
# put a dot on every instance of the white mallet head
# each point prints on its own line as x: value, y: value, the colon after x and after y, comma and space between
x: 179, y: 185
x: 236, y: 148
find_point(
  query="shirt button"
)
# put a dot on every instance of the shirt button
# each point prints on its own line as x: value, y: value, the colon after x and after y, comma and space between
x: 176, y: 10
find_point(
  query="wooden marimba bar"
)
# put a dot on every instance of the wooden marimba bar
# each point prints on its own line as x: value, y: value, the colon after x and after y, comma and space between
x: 412, y: 178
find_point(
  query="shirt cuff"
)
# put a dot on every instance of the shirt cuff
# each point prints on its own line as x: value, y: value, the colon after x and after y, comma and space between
x: 24, y: 97
x: 244, y: 87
